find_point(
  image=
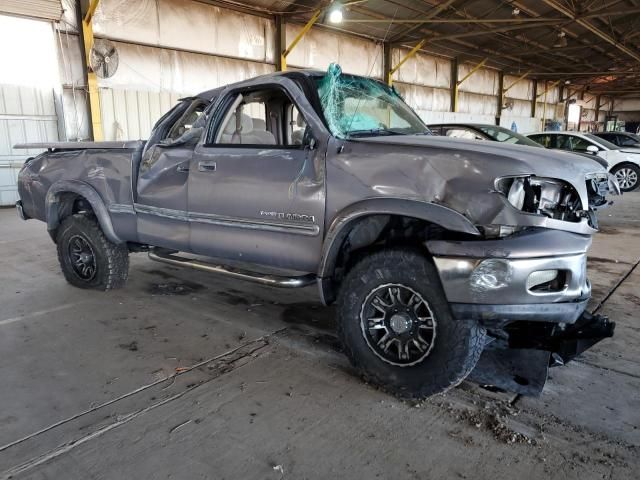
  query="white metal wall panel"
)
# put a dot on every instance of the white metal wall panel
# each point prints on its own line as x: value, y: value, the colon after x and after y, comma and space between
x: 553, y: 111
x: 520, y: 108
x: 186, y: 25
x: 477, y: 104
x: 130, y: 114
x: 204, y: 28
x: 26, y: 115
x: 626, y: 104
x: 552, y: 95
x: 68, y: 21
x: 588, y: 115
x: 628, y: 116
x: 156, y: 69
x: 43, y: 9
x: 126, y: 20
x: 424, y: 99
x: 456, y: 117
x: 422, y: 69
x: 74, y: 108
x: 523, y: 90
x: 319, y: 48
x: 524, y: 124
x: 483, y: 81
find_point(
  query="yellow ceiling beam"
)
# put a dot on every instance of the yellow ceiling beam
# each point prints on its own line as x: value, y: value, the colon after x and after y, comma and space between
x: 411, y: 53
x: 299, y: 36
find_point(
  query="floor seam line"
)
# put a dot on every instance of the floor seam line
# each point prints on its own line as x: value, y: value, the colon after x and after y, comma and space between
x: 620, y: 372
x: 136, y: 391
x: 66, y: 447
x: 616, y: 286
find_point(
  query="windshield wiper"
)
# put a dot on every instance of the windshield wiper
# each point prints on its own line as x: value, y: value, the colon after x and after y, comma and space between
x: 374, y: 132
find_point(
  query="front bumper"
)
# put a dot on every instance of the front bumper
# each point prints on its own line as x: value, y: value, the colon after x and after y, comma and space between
x: 487, y: 280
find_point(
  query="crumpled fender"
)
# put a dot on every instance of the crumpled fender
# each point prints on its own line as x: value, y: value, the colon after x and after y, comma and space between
x: 344, y: 220
x: 53, y: 207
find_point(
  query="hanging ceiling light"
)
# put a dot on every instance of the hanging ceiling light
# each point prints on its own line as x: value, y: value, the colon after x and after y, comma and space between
x: 561, y: 41
x: 515, y: 12
x: 335, y: 14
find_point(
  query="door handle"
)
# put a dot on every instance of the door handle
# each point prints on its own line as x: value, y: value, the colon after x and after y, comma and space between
x: 207, y: 166
x: 182, y: 169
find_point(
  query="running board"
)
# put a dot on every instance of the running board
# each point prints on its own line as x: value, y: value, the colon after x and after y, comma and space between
x: 262, y: 278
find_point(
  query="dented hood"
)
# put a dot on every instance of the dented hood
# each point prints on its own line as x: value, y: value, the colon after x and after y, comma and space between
x: 460, y: 174
x: 518, y: 158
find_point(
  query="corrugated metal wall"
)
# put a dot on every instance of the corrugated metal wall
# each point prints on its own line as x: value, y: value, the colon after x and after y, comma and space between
x: 26, y: 115
x: 27, y: 95
x: 180, y: 47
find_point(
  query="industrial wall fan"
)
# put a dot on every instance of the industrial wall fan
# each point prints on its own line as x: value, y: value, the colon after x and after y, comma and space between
x: 104, y: 58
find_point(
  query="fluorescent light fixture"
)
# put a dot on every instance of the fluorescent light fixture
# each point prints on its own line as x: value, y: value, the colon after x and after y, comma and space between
x: 335, y: 15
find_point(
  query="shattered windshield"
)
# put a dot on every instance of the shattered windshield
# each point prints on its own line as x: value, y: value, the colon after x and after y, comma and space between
x: 359, y: 107
x: 501, y: 134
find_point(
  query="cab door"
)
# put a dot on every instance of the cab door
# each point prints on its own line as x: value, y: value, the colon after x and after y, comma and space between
x: 162, y: 181
x: 256, y: 194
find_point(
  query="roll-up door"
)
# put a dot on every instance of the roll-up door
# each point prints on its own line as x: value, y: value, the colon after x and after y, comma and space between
x: 44, y: 9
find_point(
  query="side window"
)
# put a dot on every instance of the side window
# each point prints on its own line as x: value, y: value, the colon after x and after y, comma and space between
x: 580, y: 144
x: 186, y: 121
x: 564, y: 142
x: 625, y: 141
x: 263, y: 117
x: 247, y: 125
x: 458, y: 132
x: 544, y: 140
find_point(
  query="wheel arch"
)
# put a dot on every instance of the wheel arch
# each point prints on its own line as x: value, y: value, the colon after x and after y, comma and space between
x: 60, y: 201
x: 349, y: 218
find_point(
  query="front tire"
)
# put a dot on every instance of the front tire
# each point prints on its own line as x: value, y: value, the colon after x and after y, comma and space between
x: 396, y: 327
x: 87, y: 257
x: 628, y: 176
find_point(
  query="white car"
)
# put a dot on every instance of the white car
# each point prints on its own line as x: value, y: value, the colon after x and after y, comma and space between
x: 623, y: 162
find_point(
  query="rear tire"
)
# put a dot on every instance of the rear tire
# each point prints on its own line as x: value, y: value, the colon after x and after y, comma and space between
x: 87, y: 257
x: 394, y: 299
x: 628, y: 176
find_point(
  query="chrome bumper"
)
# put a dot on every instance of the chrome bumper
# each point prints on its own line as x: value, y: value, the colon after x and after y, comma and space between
x: 487, y: 280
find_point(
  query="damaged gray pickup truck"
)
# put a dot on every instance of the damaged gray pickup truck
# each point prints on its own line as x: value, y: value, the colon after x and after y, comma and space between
x: 442, y: 255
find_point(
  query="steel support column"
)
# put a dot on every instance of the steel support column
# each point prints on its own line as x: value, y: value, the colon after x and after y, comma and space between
x: 534, y: 102
x: 280, y: 40
x: 454, y: 83
x: 92, y: 79
x: 460, y: 82
x: 500, y: 96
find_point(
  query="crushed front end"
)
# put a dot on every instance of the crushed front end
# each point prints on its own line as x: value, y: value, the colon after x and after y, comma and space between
x: 526, y: 280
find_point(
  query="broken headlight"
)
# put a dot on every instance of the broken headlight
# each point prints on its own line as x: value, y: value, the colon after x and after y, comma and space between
x: 550, y: 197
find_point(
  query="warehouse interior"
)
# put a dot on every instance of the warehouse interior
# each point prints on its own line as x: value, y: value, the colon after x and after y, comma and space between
x: 166, y: 50
x: 185, y: 374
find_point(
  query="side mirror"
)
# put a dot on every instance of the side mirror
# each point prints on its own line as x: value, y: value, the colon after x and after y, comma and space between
x: 593, y: 149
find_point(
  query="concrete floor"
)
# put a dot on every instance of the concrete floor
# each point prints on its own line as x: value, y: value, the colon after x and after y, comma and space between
x: 185, y: 375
